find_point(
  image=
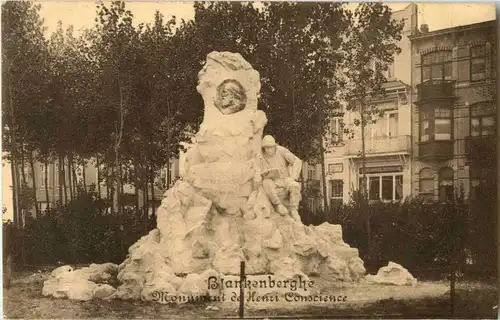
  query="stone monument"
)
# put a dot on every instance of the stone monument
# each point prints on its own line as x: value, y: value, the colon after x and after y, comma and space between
x: 220, y: 213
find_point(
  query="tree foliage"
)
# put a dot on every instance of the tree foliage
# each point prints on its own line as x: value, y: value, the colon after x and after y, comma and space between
x: 125, y: 94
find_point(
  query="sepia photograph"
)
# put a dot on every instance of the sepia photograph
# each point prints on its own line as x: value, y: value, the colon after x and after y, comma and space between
x: 249, y: 160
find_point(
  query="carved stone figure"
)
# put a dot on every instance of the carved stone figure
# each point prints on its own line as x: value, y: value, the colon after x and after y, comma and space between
x: 231, y: 97
x: 220, y: 212
x: 280, y: 169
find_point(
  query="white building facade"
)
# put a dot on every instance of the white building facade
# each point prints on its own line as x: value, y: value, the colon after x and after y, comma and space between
x: 387, y: 140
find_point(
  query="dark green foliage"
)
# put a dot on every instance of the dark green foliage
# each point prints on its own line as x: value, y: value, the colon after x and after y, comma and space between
x: 79, y: 232
x: 421, y: 237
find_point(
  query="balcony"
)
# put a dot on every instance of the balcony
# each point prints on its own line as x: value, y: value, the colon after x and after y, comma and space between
x: 383, y: 146
x: 435, y: 90
x: 436, y: 150
x: 481, y: 149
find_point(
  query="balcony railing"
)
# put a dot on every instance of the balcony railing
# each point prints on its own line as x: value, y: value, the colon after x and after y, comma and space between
x: 380, y: 146
x: 440, y: 89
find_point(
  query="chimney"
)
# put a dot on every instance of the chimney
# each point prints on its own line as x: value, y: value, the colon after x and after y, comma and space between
x: 424, y: 28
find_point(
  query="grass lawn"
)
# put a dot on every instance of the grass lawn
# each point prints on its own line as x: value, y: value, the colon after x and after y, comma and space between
x: 24, y: 300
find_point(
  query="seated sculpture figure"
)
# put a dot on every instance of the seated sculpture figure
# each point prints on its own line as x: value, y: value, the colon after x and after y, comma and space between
x: 280, y: 169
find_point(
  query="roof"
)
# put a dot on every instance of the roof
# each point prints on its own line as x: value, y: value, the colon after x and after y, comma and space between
x: 394, y: 85
x: 483, y: 24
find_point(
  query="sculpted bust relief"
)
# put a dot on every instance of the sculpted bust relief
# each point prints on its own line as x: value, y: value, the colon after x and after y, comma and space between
x: 230, y: 97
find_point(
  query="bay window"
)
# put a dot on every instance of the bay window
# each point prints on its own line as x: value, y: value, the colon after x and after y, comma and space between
x: 424, y: 126
x: 436, y: 66
x: 436, y: 124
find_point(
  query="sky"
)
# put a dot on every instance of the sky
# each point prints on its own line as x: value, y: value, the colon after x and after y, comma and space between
x: 82, y: 14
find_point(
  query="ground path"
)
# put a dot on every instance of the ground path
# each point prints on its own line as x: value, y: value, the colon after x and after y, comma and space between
x: 474, y: 300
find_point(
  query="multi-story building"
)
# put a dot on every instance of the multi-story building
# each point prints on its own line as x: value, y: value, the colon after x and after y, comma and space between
x: 387, y: 140
x: 454, y: 111
x: 51, y: 186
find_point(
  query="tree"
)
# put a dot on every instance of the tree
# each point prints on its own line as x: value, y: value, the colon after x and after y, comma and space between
x: 114, y: 49
x: 369, y: 49
x: 24, y: 65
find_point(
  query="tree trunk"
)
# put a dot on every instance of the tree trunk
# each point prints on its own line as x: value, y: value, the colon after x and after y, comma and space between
x: 153, y: 209
x: 119, y: 202
x: 145, y: 184
x: 70, y: 178
x: 98, y: 177
x: 108, y: 189
x: 113, y: 191
x: 15, y: 192
x: 75, y: 179
x: 364, y: 186
x: 23, y: 166
x: 323, y: 174
x: 65, y: 189
x: 47, y: 184
x: 33, y: 182
x: 83, y: 175
x: 169, y: 173
x: 14, y: 164
x: 137, y: 189
x: 145, y: 208
x: 122, y: 193
x: 60, y: 179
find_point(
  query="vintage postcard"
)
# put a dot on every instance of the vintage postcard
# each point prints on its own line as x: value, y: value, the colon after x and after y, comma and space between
x: 249, y: 160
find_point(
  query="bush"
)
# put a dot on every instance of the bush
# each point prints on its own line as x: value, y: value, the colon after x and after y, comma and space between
x: 80, y: 232
x: 420, y: 236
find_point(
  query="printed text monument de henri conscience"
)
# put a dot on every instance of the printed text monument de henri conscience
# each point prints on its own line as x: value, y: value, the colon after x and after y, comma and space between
x: 286, y: 290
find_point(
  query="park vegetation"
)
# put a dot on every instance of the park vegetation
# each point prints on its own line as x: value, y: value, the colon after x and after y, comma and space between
x: 123, y: 96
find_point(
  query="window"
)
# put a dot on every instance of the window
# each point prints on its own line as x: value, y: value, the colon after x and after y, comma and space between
x: 374, y: 188
x: 436, y: 125
x: 386, y: 187
x: 336, y: 130
x: 446, y: 193
x: 426, y: 184
x: 424, y: 126
x: 390, y: 71
x: 393, y: 124
x: 478, y: 61
x: 482, y: 121
x: 436, y: 66
x: 313, y: 204
x: 337, y: 189
x: 311, y: 172
x: 482, y: 182
x: 42, y: 176
x: 442, y: 124
x: 385, y: 126
x: 475, y: 182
